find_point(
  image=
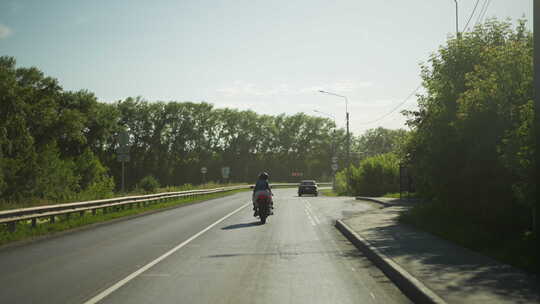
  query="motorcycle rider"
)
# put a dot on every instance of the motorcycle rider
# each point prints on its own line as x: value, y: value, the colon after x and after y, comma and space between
x: 262, y: 187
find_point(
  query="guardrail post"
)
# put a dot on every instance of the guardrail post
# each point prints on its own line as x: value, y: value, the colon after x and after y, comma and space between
x: 93, y: 211
x: 52, y: 219
x: 81, y: 213
x: 34, y: 223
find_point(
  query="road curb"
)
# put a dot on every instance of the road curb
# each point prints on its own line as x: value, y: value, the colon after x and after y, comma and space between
x: 363, y: 198
x: 408, y: 284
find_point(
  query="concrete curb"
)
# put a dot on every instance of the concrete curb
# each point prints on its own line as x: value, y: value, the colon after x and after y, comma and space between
x: 363, y: 198
x: 409, y: 285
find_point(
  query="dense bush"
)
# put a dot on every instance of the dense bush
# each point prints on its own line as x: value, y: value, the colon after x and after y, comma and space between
x: 148, y: 184
x: 472, y: 144
x: 374, y: 176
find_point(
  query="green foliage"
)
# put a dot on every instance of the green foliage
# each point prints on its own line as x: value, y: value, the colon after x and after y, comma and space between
x: 149, y: 184
x: 46, y: 136
x: 379, y: 141
x: 376, y: 175
x: 341, y: 184
x: 472, y: 146
x: 58, y: 145
x: 328, y: 192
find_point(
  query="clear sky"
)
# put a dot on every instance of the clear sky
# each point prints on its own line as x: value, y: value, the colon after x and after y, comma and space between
x: 269, y: 56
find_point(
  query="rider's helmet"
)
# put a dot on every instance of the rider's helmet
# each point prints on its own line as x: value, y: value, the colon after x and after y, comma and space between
x: 264, y: 176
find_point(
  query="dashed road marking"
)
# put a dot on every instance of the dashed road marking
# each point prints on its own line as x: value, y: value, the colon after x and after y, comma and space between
x: 311, y: 213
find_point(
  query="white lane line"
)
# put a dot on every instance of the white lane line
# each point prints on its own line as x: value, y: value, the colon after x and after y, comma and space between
x: 312, y: 214
x: 316, y: 219
x: 130, y: 277
x: 372, y: 295
x: 309, y: 217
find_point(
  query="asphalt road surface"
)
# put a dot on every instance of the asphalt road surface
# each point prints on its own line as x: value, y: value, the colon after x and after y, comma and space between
x: 211, y: 252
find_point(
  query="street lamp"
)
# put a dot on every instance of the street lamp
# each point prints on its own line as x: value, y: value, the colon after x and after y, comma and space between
x: 347, y: 118
x: 457, y: 30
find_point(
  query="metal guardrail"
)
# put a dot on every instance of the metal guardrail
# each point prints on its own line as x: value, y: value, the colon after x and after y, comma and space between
x: 11, y: 217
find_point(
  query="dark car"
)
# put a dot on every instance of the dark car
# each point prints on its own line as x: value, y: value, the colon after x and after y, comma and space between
x: 308, y: 186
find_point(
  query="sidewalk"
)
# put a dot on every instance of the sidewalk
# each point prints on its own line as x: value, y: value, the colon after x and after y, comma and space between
x: 431, y: 270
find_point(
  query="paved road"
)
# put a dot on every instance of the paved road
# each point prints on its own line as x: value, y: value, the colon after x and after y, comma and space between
x: 297, y: 257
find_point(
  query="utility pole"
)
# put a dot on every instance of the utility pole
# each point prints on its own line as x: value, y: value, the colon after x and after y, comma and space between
x: 348, y: 142
x: 348, y: 134
x: 536, y: 71
x: 457, y: 28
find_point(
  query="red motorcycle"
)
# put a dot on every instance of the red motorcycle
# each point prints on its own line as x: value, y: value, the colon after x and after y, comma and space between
x: 264, y: 205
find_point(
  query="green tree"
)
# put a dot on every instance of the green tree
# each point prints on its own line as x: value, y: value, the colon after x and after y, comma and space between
x: 472, y: 145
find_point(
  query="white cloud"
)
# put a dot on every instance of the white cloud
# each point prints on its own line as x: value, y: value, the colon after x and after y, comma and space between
x: 5, y: 31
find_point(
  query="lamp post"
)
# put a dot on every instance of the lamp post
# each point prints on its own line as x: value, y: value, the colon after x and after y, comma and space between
x: 347, y: 118
x: 457, y: 30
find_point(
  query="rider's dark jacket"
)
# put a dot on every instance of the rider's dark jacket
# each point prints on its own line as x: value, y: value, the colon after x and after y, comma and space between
x: 261, y: 184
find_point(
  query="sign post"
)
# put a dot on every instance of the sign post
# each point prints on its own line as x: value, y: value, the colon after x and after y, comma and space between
x: 203, y: 171
x: 123, y: 153
x: 334, y: 170
x: 225, y: 173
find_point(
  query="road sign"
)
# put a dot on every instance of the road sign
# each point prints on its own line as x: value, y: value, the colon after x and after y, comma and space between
x: 225, y: 172
x: 204, y: 170
x: 334, y: 167
x: 122, y: 150
x: 297, y: 174
x: 123, y: 138
x: 334, y: 159
x: 123, y: 157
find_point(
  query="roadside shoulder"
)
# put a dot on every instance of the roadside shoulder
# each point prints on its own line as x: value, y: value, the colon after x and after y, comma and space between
x: 452, y: 273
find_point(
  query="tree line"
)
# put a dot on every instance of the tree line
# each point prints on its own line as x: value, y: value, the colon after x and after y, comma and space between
x: 60, y: 145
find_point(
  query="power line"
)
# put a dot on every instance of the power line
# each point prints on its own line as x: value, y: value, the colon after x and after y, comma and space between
x: 472, y: 14
x: 395, y: 108
x: 483, y: 11
x: 480, y: 13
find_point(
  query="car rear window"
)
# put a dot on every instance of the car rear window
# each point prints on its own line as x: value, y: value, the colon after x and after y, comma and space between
x: 308, y: 183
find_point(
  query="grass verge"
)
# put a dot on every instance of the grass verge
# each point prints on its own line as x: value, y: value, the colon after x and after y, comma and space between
x: 403, y: 194
x: 24, y: 230
x: 328, y: 192
x: 516, y: 249
x: 34, y: 202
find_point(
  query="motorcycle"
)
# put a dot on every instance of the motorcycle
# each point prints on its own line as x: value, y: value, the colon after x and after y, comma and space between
x: 264, y: 203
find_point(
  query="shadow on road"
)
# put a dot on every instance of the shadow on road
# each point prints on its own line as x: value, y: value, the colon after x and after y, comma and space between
x: 243, y: 225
